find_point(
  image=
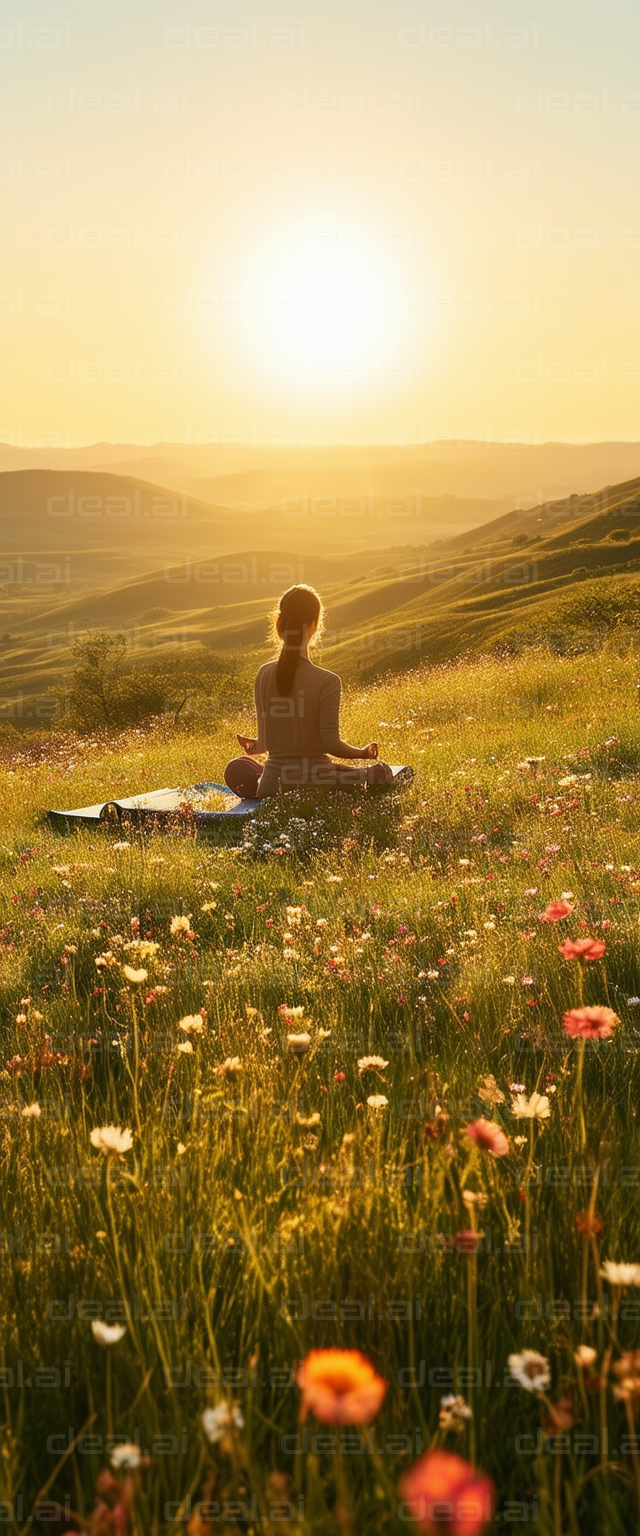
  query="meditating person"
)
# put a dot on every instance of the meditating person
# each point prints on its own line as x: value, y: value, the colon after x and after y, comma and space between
x: 298, y: 712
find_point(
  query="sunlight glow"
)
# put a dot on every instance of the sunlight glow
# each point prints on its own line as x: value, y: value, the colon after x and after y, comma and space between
x: 323, y: 305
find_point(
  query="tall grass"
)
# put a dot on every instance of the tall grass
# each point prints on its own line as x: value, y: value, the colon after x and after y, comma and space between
x: 266, y: 1208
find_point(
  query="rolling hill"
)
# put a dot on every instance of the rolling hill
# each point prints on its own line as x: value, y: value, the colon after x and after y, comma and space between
x: 567, y: 573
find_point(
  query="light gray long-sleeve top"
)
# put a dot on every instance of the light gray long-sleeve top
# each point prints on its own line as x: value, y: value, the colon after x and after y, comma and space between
x: 306, y: 725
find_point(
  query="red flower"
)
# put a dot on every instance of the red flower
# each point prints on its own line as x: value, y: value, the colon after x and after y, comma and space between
x: 588, y: 1224
x: 555, y: 911
x: 488, y: 1136
x: 583, y: 949
x: 590, y: 1023
x: 468, y: 1241
x: 448, y: 1494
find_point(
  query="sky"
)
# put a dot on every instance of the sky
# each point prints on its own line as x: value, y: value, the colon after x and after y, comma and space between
x: 308, y: 221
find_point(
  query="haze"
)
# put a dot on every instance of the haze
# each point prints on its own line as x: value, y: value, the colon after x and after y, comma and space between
x: 291, y: 224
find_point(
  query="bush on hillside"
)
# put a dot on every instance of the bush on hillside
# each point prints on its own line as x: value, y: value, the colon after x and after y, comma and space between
x: 107, y: 689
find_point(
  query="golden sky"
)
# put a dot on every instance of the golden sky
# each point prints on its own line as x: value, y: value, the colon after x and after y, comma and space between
x: 297, y: 222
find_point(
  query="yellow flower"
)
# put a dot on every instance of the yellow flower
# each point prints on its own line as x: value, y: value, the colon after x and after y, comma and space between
x: 180, y: 924
x: 135, y: 978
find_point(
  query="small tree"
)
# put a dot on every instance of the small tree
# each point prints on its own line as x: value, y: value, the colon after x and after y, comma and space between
x: 96, y: 681
x: 108, y: 689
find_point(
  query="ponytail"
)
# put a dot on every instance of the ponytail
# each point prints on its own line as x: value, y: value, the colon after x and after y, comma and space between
x: 299, y: 609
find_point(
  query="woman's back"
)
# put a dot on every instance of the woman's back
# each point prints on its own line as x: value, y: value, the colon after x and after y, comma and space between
x: 306, y: 723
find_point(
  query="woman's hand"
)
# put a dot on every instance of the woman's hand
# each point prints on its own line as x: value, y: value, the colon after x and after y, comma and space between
x: 248, y: 744
x: 371, y: 750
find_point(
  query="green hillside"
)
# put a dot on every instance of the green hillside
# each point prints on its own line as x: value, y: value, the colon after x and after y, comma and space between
x: 567, y: 574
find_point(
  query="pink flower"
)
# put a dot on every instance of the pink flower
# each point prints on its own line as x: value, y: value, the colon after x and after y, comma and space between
x: 447, y: 1494
x: 590, y: 1023
x: 555, y: 911
x: 488, y: 1137
x: 468, y: 1240
x: 583, y: 949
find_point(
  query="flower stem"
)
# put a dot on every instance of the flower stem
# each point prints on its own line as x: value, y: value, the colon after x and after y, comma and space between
x: 578, y: 1099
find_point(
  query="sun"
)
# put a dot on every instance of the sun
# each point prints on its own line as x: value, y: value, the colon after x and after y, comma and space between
x: 322, y: 302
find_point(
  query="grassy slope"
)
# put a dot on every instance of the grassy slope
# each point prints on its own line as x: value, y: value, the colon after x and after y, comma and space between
x: 571, y: 584
x: 237, y: 1213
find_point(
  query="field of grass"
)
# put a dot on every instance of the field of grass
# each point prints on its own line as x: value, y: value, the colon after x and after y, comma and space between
x: 274, y: 1202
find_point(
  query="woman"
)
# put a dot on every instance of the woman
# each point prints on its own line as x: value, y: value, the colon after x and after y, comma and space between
x: 298, y: 709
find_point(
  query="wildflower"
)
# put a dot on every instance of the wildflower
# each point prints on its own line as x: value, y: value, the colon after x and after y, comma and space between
x: 535, y: 1108
x: 294, y: 916
x: 468, y: 1240
x: 230, y: 1067
x: 433, y: 975
x: 588, y: 1224
x: 220, y: 1421
x: 290, y: 1015
x: 135, y: 978
x: 185, y: 1047
x: 144, y: 949
x: 561, y: 1415
x: 620, y: 1274
x: 488, y: 1137
x: 107, y: 1334
x: 192, y: 1024
x: 111, y: 1139
x: 31, y: 1112
x: 531, y: 1370
x: 555, y: 912
x: 509, y: 981
x: 308, y: 1120
x: 120, y: 847
x: 127, y: 1457
x: 441, y: 1481
x: 180, y: 924
x: 583, y: 949
x: 584, y: 1356
x: 627, y: 1369
x: 371, y: 1064
x: 340, y: 1386
x: 453, y: 1412
x: 490, y: 926
x: 298, y: 1045
x: 633, y: 1002
x: 590, y: 1023
x: 490, y: 1090
x: 377, y: 1101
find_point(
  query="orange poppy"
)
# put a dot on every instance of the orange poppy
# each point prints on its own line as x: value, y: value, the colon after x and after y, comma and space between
x: 340, y: 1386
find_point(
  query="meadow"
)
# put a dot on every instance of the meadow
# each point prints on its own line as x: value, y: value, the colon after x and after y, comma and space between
x: 352, y: 1116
